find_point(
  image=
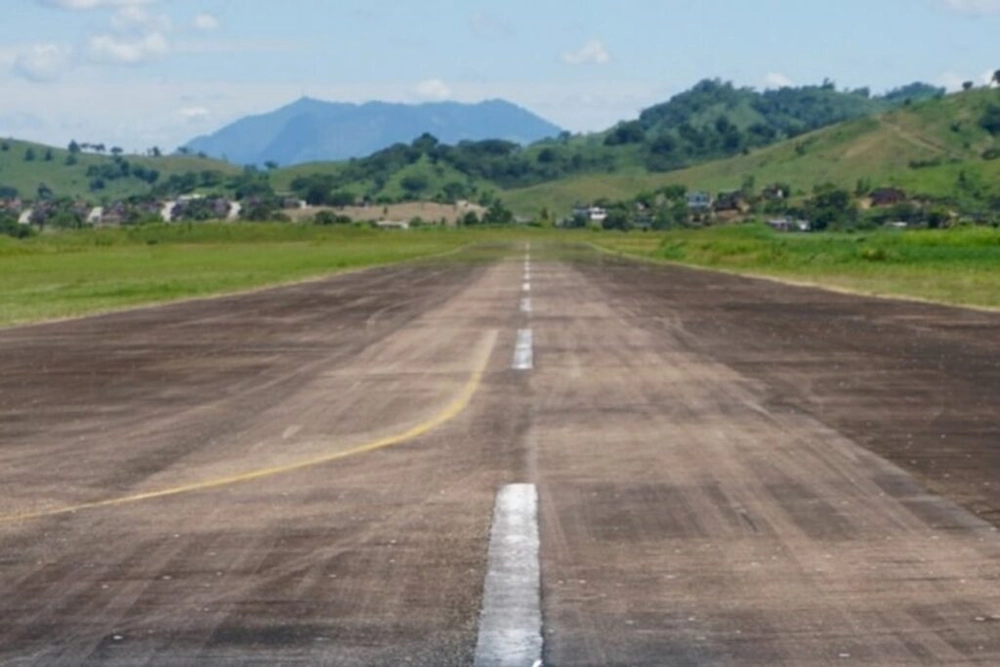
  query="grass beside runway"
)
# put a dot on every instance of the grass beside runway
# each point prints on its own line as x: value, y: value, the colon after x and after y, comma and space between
x: 72, y: 274
x: 957, y: 266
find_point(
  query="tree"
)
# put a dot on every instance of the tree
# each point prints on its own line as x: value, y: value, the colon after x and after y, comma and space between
x: 498, y: 214
x: 71, y: 160
x: 415, y: 183
x: 116, y: 151
x: 29, y: 155
x: 341, y: 199
x: 990, y: 120
x: 630, y: 132
x: 967, y: 85
x: 996, y: 77
x: 618, y: 218
x: 155, y: 151
x: 48, y: 155
x: 74, y: 147
x: 830, y: 206
x: 270, y: 165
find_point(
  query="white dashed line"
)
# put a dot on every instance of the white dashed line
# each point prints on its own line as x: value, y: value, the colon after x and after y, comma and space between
x: 526, y: 304
x: 526, y: 287
x: 510, y: 626
x: 524, y: 355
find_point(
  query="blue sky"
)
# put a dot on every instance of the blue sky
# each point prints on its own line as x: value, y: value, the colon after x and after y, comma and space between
x: 139, y: 73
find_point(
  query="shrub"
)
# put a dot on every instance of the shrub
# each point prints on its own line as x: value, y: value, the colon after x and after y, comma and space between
x: 874, y: 254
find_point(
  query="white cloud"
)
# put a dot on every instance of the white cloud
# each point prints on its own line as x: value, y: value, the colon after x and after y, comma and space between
x: 41, y: 62
x: 136, y: 36
x: 205, y: 21
x: 951, y: 81
x: 77, y: 5
x: 432, y: 89
x: 954, y: 81
x: 194, y: 113
x: 777, y: 80
x: 593, y: 52
x: 124, y: 50
x: 136, y: 20
x: 973, y: 7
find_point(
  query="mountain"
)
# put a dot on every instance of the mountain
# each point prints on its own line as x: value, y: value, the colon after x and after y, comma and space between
x: 313, y: 130
x: 945, y: 148
x: 712, y: 120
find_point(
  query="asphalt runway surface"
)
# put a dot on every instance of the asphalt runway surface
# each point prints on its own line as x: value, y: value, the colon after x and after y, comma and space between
x: 720, y: 471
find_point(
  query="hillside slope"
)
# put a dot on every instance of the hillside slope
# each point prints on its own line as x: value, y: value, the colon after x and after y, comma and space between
x: 313, y: 130
x: 27, y: 166
x: 935, y: 148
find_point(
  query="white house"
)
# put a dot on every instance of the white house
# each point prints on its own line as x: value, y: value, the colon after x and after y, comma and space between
x: 591, y: 213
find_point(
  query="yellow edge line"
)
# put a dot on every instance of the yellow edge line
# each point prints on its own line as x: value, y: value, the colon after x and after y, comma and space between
x: 455, y: 408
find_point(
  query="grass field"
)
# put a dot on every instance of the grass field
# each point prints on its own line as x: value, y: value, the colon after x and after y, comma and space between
x: 76, y: 273
x: 959, y: 266
x: 71, y: 274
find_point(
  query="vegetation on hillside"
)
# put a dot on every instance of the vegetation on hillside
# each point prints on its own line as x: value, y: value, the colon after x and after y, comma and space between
x: 91, y: 172
x: 942, y: 151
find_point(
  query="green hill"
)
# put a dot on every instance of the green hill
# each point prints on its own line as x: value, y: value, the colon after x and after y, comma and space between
x: 712, y: 120
x: 937, y: 148
x: 26, y: 166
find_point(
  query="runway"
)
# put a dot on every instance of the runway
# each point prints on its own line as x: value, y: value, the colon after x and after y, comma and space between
x: 728, y: 472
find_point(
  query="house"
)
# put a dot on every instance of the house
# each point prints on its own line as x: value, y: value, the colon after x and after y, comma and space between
x: 11, y: 205
x: 886, y: 197
x: 789, y: 225
x: 392, y: 224
x: 699, y: 201
x: 594, y: 214
x: 96, y: 216
x: 115, y: 214
x: 731, y: 200
x: 167, y: 210
x: 775, y: 193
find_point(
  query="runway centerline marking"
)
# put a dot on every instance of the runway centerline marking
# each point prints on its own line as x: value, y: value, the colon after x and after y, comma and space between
x: 526, y: 287
x: 526, y: 304
x: 510, y: 625
x: 524, y: 354
x: 455, y: 408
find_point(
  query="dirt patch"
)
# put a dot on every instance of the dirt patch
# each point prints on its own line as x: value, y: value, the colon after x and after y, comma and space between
x: 429, y: 212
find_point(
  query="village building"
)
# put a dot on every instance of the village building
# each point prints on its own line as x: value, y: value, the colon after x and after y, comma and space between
x: 886, y: 197
x: 594, y: 214
x: 699, y: 201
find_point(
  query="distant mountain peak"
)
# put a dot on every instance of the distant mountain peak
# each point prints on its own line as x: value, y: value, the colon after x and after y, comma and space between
x: 310, y: 130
